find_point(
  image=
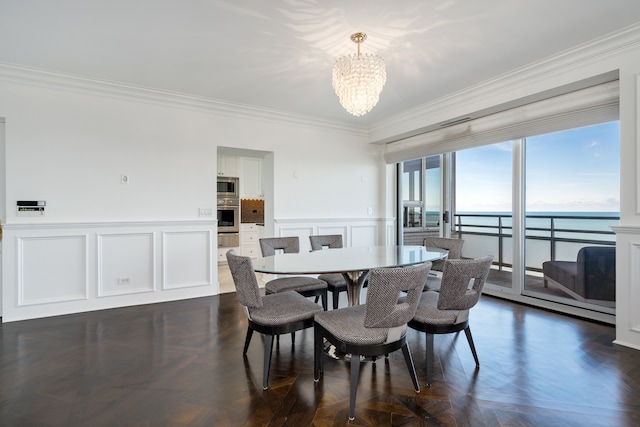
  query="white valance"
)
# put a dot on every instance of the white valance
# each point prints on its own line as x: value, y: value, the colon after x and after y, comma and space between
x: 589, y: 106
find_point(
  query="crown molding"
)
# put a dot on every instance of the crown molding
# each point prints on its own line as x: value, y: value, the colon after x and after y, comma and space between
x: 29, y: 76
x: 504, y: 86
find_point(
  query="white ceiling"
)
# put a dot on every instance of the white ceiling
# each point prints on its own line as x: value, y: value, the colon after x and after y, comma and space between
x: 278, y: 54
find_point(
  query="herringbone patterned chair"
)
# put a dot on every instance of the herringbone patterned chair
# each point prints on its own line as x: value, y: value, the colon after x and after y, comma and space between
x: 447, y: 311
x: 376, y: 328
x: 335, y: 281
x: 454, y: 248
x: 271, y: 315
x: 306, y: 286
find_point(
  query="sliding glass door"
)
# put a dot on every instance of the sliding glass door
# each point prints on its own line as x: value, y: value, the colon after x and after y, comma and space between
x: 572, y: 183
x: 483, y: 200
x: 531, y: 203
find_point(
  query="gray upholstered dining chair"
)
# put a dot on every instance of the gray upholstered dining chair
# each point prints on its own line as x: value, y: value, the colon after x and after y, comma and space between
x: 447, y: 311
x: 376, y: 328
x: 335, y: 281
x: 454, y: 249
x: 304, y: 285
x: 271, y: 315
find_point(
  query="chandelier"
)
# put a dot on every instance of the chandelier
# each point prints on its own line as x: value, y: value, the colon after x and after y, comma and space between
x: 359, y: 79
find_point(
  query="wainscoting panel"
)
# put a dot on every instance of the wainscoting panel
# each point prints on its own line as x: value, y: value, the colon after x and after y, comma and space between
x: 342, y: 230
x: 364, y: 235
x: 187, y: 259
x: 627, y: 286
x: 633, y: 298
x: 126, y: 263
x: 355, y: 231
x: 303, y: 234
x: 52, y: 269
x: 391, y: 232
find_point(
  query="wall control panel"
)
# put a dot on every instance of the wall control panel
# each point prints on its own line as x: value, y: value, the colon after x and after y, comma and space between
x: 30, y: 207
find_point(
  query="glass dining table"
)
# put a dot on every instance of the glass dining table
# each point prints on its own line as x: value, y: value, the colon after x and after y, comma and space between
x: 354, y: 263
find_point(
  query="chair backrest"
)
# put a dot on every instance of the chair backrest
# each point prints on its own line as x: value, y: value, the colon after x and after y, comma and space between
x: 453, y: 246
x: 385, y: 308
x: 330, y: 241
x: 455, y: 290
x: 270, y: 245
x: 244, y: 277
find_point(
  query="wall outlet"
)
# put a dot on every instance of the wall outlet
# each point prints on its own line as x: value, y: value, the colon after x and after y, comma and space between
x: 125, y: 280
x: 205, y: 212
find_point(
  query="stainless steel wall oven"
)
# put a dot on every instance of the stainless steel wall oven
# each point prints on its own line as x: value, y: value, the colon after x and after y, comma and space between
x: 228, y: 222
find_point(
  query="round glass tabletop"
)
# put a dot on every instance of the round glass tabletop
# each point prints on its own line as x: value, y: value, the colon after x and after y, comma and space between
x: 349, y: 259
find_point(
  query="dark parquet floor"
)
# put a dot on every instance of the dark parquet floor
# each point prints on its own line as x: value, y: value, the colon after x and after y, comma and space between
x: 181, y: 364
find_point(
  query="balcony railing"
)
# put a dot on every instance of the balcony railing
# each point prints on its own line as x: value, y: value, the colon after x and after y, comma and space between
x: 555, y: 229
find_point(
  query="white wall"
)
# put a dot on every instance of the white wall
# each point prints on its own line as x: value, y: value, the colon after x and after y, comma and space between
x: 68, y: 144
x: 70, y: 149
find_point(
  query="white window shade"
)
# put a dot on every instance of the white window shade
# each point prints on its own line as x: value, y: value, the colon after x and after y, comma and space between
x: 592, y: 105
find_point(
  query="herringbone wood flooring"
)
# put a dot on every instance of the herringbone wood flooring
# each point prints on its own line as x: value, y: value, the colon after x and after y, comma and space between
x: 181, y: 364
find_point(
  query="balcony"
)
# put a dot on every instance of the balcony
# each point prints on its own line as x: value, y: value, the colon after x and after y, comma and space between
x: 548, y: 237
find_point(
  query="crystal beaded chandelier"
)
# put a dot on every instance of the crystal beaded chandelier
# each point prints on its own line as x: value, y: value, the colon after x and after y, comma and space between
x: 359, y: 79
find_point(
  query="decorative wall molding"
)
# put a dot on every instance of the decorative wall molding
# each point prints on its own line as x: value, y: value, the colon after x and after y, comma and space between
x: 636, y: 138
x: 125, y: 263
x: 106, y: 225
x: 343, y: 230
x: 355, y: 231
x: 48, y: 79
x: 187, y: 259
x: 633, y: 298
x: 62, y: 269
x: 365, y: 235
x: 331, y: 220
x: 627, y: 285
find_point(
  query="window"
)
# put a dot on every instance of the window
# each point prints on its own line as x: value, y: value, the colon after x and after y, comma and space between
x: 560, y: 159
x: 420, y: 189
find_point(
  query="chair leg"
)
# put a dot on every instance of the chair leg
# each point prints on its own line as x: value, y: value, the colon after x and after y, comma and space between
x: 247, y: 339
x: 268, y: 348
x: 317, y: 354
x: 336, y: 297
x: 355, y: 373
x: 467, y: 332
x: 293, y: 338
x: 412, y: 369
x: 317, y: 298
x: 430, y: 359
x: 325, y: 307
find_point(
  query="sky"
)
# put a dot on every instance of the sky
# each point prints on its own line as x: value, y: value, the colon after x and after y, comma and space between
x: 569, y: 171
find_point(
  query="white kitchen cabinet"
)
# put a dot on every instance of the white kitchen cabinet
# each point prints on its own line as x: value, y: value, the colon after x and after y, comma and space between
x: 222, y: 253
x: 249, y: 245
x: 227, y: 165
x: 250, y: 178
